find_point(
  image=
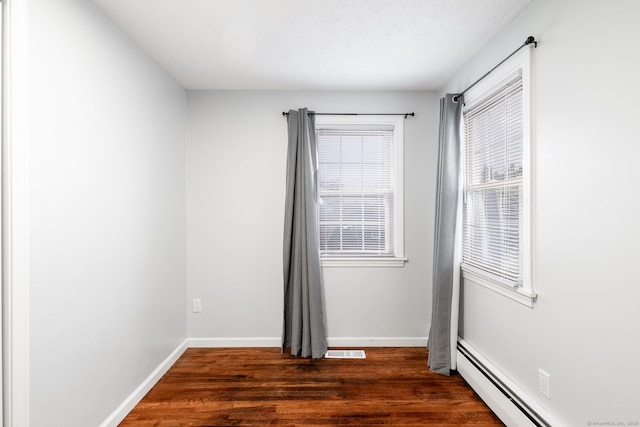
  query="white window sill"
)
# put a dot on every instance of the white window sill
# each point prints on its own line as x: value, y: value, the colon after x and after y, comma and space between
x: 362, y: 262
x: 523, y: 296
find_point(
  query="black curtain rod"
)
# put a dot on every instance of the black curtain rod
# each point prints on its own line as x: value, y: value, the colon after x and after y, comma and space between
x: 528, y: 41
x: 284, y: 113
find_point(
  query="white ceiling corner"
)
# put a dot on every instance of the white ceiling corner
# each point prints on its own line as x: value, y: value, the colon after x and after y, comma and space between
x: 312, y: 45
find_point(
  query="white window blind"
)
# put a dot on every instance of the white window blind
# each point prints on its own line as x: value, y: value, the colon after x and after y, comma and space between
x: 493, y: 187
x: 356, y: 190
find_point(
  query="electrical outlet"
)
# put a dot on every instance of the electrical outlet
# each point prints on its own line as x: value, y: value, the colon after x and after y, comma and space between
x: 197, y: 305
x: 544, y: 383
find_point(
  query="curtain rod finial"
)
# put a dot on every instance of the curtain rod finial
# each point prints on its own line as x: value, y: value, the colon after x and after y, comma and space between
x: 530, y: 40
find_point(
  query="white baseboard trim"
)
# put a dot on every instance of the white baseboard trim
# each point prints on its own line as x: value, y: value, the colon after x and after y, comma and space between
x: 134, y: 398
x: 233, y: 342
x: 377, y: 341
x: 332, y: 341
x: 509, y: 402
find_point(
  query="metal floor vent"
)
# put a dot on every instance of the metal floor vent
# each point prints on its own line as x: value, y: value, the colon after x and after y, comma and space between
x: 345, y: 354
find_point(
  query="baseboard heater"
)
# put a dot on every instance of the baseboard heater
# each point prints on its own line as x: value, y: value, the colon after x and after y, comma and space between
x: 500, y: 396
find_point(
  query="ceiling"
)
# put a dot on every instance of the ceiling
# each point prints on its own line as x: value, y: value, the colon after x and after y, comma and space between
x: 312, y: 45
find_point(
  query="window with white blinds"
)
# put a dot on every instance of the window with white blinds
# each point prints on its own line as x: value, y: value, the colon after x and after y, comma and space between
x: 495, y: 194
x: 493, y: 178
x: 358, y: 187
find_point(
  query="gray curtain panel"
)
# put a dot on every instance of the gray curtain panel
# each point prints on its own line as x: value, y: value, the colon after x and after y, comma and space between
x: 445, y: 234
x: 304, y: 328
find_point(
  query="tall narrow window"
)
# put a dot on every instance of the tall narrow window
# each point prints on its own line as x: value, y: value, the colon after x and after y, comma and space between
x: 360, y: 189
x: 496, y: 226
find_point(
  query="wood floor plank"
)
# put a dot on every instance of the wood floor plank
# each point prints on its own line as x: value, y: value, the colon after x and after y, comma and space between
x: 261, y: 386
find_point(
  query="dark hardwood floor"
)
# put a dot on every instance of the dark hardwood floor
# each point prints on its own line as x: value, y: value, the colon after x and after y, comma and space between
x: 261, y: 386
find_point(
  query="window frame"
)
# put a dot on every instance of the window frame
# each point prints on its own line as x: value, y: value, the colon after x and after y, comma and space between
x: 523, y: 292
x: 397, y: 168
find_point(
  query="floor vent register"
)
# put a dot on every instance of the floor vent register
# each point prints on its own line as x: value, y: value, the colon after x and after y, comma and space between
x: 345, y: 354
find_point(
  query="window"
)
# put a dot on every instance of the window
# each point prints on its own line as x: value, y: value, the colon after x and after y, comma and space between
x: 360, y: 190
x: 496, y: 224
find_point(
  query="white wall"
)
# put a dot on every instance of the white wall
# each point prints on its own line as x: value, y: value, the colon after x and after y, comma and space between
x: 106, y: 225
x: 583, y: 330
x: 236, y: 158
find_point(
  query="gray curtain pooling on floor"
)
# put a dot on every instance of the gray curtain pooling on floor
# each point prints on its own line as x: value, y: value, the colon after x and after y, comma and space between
x: 445, y: 234
x: 304, y: 328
